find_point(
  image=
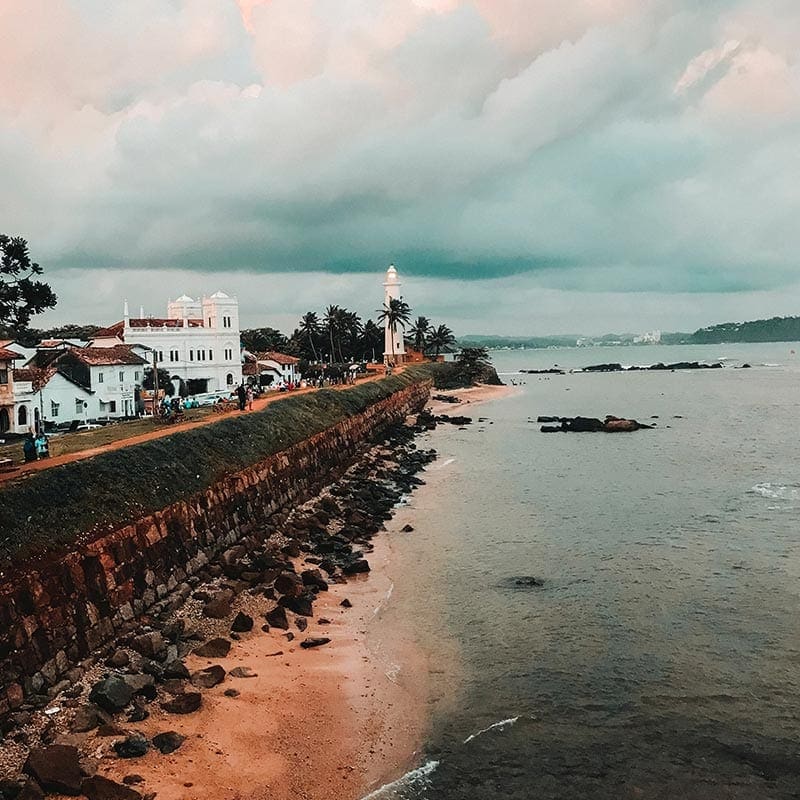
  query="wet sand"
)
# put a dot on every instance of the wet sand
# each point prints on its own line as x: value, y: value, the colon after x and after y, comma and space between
x: 481, y: 393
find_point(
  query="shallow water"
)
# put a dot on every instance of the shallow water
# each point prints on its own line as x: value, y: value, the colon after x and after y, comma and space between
x: 661, y: 656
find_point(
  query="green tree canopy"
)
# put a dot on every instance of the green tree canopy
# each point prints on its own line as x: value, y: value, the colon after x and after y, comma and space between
x: 21, y: 296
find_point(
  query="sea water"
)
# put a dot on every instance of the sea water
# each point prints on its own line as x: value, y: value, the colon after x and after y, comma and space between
x: 660, y: 656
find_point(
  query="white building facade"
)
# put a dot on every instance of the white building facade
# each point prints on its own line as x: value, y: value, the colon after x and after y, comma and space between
x: 197, y: 342
x: 394, y: 346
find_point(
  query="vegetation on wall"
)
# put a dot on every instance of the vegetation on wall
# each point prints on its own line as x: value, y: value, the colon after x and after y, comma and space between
x: 53, y: 507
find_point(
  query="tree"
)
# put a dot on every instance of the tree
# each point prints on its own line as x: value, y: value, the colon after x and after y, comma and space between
x: 419, y: 333
x: 331, y: 321
x: 395, y: 312
x: 21, y: 297
x: 259, y: 340
x: 440, y: 338
x: 164, y: 381
x: 371, y: 340
x: 473, y: 362
x: 310, y: 330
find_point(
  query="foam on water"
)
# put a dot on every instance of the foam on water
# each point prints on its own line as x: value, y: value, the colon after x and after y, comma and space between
x: 776, y: 491
x: 407, y: 787
x: 497, y: 726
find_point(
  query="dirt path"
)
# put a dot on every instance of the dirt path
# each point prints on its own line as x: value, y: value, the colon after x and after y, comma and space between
x: 164, y: 430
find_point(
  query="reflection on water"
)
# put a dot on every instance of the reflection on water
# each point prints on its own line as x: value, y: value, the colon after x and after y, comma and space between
x: 659, y: 657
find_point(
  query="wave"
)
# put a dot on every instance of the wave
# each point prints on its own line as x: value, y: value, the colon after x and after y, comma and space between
x: 416, y: 779
x: 498, y: 726
x: 776, y: 491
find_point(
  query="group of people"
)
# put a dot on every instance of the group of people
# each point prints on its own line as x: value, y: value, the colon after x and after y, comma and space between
x: 35, y: 447
x: 245, y: 395
x: 172, y: 407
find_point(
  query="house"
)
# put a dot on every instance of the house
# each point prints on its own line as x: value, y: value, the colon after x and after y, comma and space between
x: 58, y: 386
x: 271, y: 368
x: 7, y: 358
x: 197, y: 342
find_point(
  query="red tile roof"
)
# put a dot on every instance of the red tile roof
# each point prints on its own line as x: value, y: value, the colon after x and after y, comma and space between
x: 8, y: 355
x: 106, y: 356
x: 118, y: 328
x: 280, y: 358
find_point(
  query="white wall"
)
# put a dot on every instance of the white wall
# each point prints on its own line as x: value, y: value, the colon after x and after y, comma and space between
x: 117, y: 388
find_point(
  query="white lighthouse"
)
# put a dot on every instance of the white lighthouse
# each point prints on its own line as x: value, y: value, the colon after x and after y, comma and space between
x: 393, y: 351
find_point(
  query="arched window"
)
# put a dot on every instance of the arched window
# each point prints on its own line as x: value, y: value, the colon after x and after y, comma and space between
x: 22, y: 415
x: 5, y: 423
x: 229, y: 379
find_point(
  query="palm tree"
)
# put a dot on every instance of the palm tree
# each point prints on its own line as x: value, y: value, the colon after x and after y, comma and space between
x: 371, y: 338
x: 441, y: 338
x: 395, y: 312
x: 310, y: 329
x: 331, y: 323
x: 419, y: 332
x: 351, y: 329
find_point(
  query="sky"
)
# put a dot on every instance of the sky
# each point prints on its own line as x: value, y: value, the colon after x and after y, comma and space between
x: 530, y: 166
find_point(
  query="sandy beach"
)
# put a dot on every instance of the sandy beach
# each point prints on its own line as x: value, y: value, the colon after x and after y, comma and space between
x: 473, y: 395
x: 330, y: 722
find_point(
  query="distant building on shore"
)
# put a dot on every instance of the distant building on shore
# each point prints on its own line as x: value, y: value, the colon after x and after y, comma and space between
x: 651, y: 337
x: 197, y: 342
x: 394, y: 345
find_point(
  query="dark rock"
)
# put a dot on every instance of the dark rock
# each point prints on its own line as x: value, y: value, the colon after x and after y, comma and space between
x: 144, y: 685
x: 133, y: 746
x: 289, y: 636
x: 183, y: 703
x: 214, y: 648
x: 313, y: 577
x: 55, y: 768
x: 86, y: 719
x: 168, y: 742
x: 289, y: 583
x: 528, y: 580
x: 150, y: 645
x: 323, y: 621
x: 132, y: 779
x: 302, y: 605
x: 301, y: 623
x: 174, y: 686
x: 354, y: 567
x: 265, y: 628
x: 231, y: 693
x: 139, y: 714
x: 209, y: 677
x: 99, y: 788
x: 346, y: 603
x: 407, y: 529
x: 277, y: 618
x: 175, y: 669
x: 118, y: 659
x: 110, y: 729
x: 111, y: 694
x: 242, y: 672
x: 242, y: 623
x: 30, y: 791
x: 219, y: 607
x: 314, y: 641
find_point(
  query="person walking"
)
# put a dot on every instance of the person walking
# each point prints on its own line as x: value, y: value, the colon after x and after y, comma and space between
x: 249, y: 398
x: 241, y: 394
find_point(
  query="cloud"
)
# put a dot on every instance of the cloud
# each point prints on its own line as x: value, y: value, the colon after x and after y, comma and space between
x: 584, y: 146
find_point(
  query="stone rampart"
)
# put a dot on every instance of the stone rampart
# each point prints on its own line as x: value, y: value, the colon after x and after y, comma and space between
x: 54, y: 614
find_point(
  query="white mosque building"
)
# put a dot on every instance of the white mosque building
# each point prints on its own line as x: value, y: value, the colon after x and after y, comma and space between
x: 394, y: 347
x: 197, y: 341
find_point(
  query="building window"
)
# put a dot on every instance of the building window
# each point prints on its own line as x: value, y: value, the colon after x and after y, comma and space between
x: 229, y: 379
x: 191, y: 355
x: 99, y: 377
x: 53, y: 409
x: 112, y: 406
x: 22, y: 415
x: 226, y: 322
x: 136, y: 376
x: 3, y: 377
x: 122, y: 376
x: 78, y: 406
x: 160, y: 355
x: 209, y: 322
x: 210, y: 355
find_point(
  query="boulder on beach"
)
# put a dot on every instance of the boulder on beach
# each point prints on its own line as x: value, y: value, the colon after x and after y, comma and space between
x: 314, y: 641
x: 111, y: 693
x: 186, y: 703
x: 214, y: 648
x: 55, y: 768
x: 133, y: 746
x: 98, y: 787
x: 242, y: 623
x: 168, y: 742
x: 209, y: 677
x: 277, y: 618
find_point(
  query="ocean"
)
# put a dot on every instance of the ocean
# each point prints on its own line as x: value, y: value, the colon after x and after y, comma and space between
x: 660, y: 656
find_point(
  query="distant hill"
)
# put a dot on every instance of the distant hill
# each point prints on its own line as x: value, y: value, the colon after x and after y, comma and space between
x: 561, y: 340
x: 777, y: 329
